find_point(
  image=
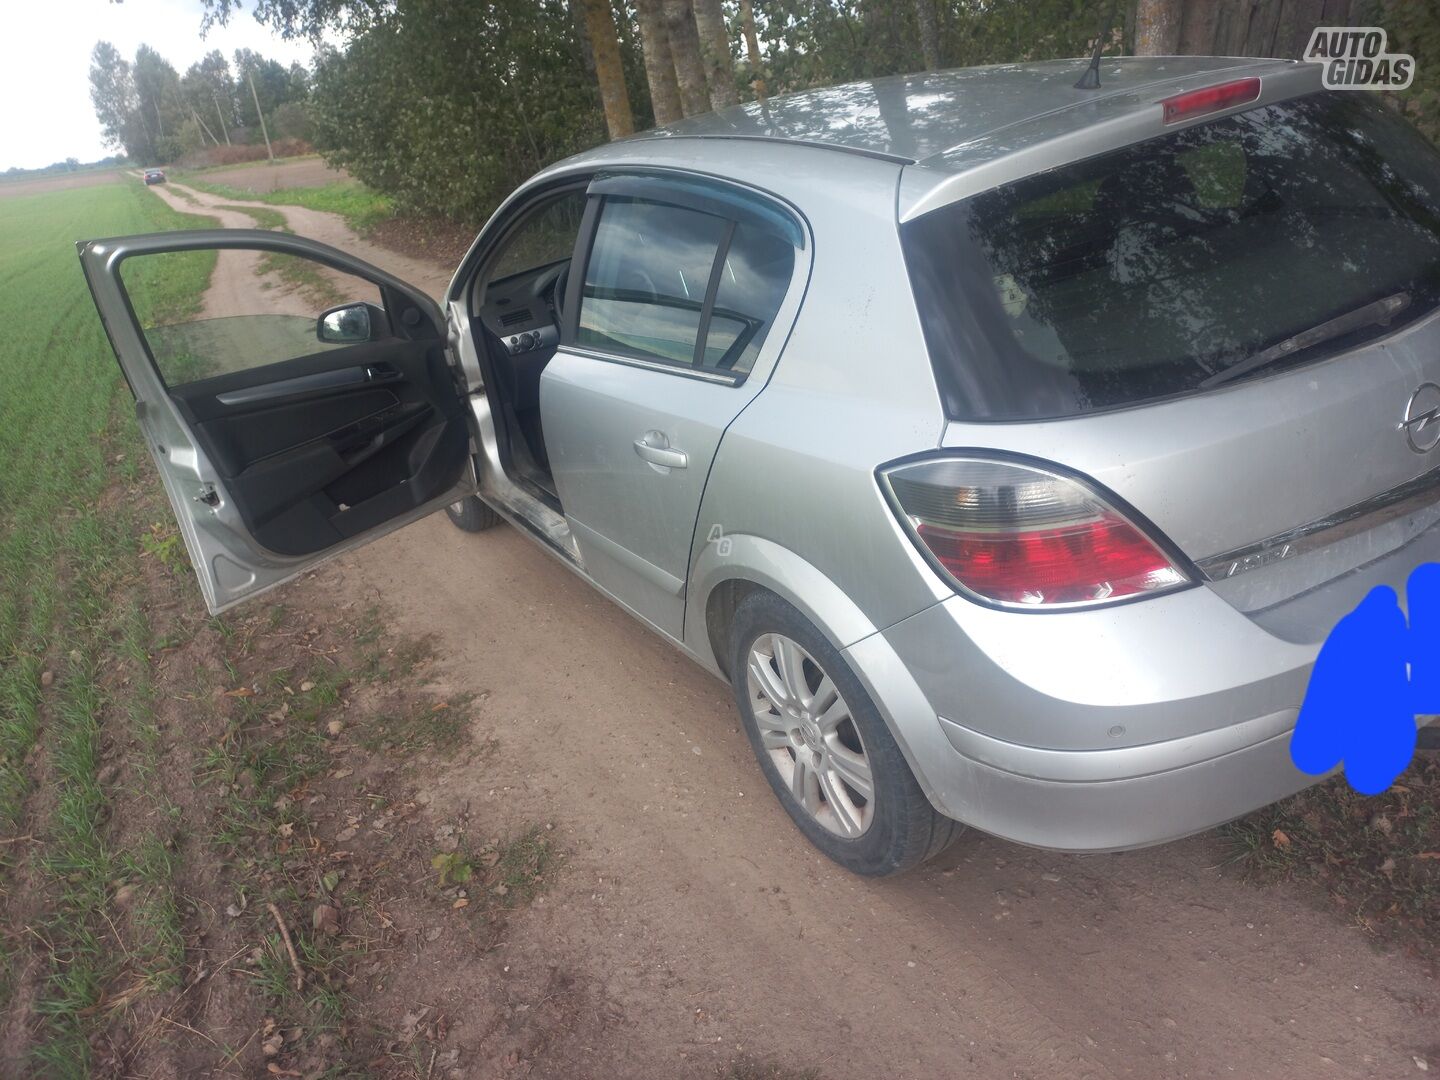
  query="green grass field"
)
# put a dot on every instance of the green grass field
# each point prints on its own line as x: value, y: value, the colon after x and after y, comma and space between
x: 67, y: 547
x: 359, y: 205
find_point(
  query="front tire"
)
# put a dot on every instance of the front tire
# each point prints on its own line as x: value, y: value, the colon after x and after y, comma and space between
x: 470, y: 514
x: 823, y: 746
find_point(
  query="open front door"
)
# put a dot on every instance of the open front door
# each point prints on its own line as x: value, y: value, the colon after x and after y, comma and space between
x: 298, y: 402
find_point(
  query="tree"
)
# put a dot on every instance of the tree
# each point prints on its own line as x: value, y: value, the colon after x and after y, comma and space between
x: 609, y: 68
x: 157, y: 91
x: 112, y: 93
x: 752, y: 48
x: 209, y: 91
x: 1157, y: 27
x: 659, y: 64
x: 929, y: 33
x: 273, y: 85
x: 685, y: 51
x: 449, y: 121
x: 715, y: 52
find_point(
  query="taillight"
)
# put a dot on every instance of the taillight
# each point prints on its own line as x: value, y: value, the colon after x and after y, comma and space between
x: 1021, y: 536
x: 1209, y: 99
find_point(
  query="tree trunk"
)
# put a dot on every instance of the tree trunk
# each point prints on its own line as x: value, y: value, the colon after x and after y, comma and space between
x: 752, y: 48
x: 685, y: 51
x: 609, y: 71
x: 1157, y: 27
x: 715, y: 51
x: 1199, y: 27
x: 582, y: 32
x: 659, y: 65
x: 929, y: 33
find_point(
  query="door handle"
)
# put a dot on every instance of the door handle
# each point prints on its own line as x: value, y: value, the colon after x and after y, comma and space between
x: 655, y: 448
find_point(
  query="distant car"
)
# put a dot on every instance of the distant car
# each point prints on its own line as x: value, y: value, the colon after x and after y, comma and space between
x: 154, y: 176
x: 1010, y: 448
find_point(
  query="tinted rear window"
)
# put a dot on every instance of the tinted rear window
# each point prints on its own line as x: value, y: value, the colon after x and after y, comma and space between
x: 1147, y: 272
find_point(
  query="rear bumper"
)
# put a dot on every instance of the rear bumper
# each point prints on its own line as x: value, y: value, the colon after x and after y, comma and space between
x: 1118, y: 729
x: 1130, y: 807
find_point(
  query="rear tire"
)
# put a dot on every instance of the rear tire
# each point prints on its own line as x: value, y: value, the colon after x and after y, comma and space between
x: 470, y: 514
x: 824, y: 748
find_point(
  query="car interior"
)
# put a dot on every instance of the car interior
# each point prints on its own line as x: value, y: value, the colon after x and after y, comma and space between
x: 323, y: 446
x: 517, y: 306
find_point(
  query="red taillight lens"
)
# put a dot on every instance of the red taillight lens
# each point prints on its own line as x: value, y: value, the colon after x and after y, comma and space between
x: 1209, y: 99
x: 1020, y: 536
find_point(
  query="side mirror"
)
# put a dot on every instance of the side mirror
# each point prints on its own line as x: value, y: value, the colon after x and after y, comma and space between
x: 349, y: 324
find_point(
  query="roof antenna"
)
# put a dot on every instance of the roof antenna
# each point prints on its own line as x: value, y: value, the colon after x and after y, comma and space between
x: 1091, y: 79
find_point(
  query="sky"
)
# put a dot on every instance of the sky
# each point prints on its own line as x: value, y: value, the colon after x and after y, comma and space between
x: 45, y: 65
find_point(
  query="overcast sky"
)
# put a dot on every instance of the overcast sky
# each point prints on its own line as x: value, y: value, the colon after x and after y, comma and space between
x: 45, y: 112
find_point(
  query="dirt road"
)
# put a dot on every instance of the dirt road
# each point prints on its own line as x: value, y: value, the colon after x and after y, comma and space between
x: 699, y: 918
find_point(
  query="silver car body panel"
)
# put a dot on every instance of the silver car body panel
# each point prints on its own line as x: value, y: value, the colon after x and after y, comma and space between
x: 635, y: 519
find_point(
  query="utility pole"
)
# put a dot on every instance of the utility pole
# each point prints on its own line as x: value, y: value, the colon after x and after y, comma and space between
x: 203, y: 127
x: 256, y: 98
x: 221, y: 114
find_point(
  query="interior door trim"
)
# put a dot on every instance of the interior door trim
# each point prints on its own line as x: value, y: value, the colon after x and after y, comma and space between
x: 339, y: 379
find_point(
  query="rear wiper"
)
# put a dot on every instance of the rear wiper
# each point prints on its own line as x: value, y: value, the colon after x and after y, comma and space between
x: 1379, y: 311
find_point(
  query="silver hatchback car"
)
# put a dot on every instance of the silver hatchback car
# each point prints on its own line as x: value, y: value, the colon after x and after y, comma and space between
x: 1010, y: 448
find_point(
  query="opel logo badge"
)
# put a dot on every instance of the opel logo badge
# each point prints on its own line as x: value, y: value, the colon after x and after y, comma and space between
x: 1422, y: 418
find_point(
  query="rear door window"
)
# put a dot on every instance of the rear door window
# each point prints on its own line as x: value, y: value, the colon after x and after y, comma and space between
x: 676, y: 285
x: 646, y: 281
x: 754, y: 275
x: 1152, y: 271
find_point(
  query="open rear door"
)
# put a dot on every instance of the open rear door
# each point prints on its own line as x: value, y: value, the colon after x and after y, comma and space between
x: 298, y: 402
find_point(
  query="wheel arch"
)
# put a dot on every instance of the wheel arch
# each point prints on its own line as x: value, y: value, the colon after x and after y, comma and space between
x: 730, y: 567
x: 720, y: 582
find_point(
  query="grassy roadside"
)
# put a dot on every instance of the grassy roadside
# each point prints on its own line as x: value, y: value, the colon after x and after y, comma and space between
x: 210, y: 825
x: 66, y: 550
x: 361, y: 207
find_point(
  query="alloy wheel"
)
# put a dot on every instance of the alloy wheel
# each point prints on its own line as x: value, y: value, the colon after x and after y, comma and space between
x: 811, y: 738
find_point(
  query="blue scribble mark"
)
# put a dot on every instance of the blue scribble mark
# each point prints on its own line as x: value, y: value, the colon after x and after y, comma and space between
x: 1373, y: 676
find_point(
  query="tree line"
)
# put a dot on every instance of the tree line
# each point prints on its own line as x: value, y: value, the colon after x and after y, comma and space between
x: 156, y: 115
x: 446, y: 105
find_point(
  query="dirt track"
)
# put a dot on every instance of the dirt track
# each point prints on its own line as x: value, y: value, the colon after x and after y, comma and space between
x: 697, y: 915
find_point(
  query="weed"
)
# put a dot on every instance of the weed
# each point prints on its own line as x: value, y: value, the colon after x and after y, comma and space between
x: 264, y: 218
x: 162, y: 542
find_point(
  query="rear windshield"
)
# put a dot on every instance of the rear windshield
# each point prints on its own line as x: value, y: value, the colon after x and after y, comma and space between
x: 1227, y: 250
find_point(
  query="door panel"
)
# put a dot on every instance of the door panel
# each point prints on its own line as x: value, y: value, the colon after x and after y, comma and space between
x: 688, y: 289
x: 279, y: 449
x: 633, y: 517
